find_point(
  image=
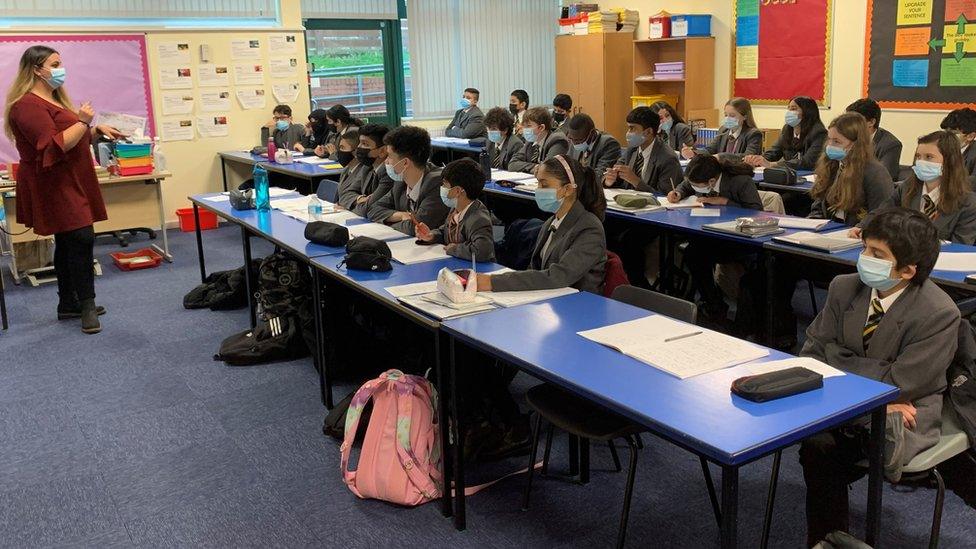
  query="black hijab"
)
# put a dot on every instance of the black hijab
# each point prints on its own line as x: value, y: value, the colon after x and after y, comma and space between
x: 320, y: 128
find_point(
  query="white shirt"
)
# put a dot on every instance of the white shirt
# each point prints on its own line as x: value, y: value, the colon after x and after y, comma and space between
x: 963, y: 150
x: 459, y: 215
x: 414, y: 193
x: 934, y: 194
x: 886, y: 302
x: 552, y: 230
x: 646, y: 153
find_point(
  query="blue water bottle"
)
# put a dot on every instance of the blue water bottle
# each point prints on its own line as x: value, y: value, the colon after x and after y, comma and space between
x: 262, y: 196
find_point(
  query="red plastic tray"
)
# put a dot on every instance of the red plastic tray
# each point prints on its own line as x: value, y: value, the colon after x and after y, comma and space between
x: 123, y: 260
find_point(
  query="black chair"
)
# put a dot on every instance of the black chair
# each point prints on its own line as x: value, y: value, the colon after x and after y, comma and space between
x: 585, y: 421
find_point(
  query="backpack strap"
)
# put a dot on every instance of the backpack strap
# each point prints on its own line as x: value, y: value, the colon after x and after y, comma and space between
x: 356, y: 406
x: 405, y: 388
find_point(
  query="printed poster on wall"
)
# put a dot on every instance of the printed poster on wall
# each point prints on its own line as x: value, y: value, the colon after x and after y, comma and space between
x: 173, y: 53
x: 175, y: 78
x: 249, y: 74
x: 213, y: 126
x: 213, y: 76
x: 284, y: 68
x: 214, y: 101
x: 177, y: 103
x: 245, y: 49
x: 252, y: 98
x: 177, y: 130
x: 285, y: 93
x: 282, y: 44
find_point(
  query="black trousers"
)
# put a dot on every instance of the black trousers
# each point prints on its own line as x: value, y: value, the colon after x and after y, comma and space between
x: 701, y: 257
x: 829, y: 466
x: 73, y: 257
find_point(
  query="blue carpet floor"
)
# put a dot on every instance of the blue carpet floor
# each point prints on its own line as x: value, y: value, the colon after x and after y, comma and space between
x: 136, y: 437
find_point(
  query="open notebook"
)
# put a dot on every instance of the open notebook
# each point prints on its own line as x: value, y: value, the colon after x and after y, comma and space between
x: 832, y: 242
x: 682, y: 350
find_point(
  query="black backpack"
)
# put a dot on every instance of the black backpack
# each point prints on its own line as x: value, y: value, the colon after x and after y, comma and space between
x: 275, y: 339
x: 367, y: 254
x: 961, y: 379
x: 221, y: 290
x: 285, y: 291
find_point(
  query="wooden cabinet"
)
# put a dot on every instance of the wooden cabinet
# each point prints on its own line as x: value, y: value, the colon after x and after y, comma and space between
x: 593, y: 70
x: 696, y: 91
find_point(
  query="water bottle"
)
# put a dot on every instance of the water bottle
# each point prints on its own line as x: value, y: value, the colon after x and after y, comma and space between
x: 272, y: 149
x: 262, y: 196
x: 485, y: 160
x: 159, y: 159
x: 314, y: 208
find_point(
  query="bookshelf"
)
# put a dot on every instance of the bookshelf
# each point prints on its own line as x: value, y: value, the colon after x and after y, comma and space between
x: 696, y: 91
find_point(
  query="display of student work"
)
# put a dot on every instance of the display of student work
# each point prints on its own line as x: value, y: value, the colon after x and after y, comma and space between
x: 123, y: 90
x: 919, y: 53
x: 782, y: 50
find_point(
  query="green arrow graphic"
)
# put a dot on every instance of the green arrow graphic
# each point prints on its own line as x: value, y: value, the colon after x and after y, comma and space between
x: 961, y: 24
x: 936, y: 43
x: 959, y: 52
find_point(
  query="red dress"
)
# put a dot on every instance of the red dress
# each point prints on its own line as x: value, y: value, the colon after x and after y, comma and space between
x: 57, y: 191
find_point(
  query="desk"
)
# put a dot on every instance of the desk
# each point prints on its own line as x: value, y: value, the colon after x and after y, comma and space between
x: 453, y: 149
x: 698, y: 414
x: 130, y: 201
x: 243, y: 162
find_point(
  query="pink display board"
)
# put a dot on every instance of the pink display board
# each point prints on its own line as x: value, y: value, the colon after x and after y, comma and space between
x: 110, y: 70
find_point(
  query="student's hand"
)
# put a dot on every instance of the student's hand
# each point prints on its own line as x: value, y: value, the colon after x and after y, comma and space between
x: 299, y: 147
x: 450, y: 248
x: 397, y: 217
x: 330, y: 148
x: 627, y: 174
x: 110, y: 132
x: 908, y: 413
x: 86, y: 113
x: 610, y: 177
x: 757, y: 161
x: 423, y: 232
x: 854, y: 233
x: 687, y: 152
x: 308, y: 130
x: 320, y: 151
x: 361, y: 198
x: 713, y: 200
x: 674, y: 197
x: 270, y: 125
x: 484, y: 282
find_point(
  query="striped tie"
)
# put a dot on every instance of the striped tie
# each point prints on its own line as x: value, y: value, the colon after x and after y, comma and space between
x: 873, y: 320
x: 928, y: 207
x: 496, y: 161
x: 535, y: 153
x: 639, y: 164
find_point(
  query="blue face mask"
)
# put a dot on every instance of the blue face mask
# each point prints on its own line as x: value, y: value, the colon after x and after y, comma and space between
x: 835, y: 153
x: 282, y: 125
x: 547, y: 201
x: 927, y: 171
x: 666, y: 125
x: 876, y: 273
x: 447, y: 200
x: 529, y: 135
x: 57, y: 78
x: 495, y: 136
x: 634, y: 140
x: 581, y: 148
x: 464, y: 103
x: 792, y: 119
x: 391, y: 171
x: 731, y: 122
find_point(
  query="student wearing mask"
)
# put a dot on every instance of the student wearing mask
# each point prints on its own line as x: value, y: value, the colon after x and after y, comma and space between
x: 503, y: 142
x: 891, y: 323
x: 316, y: 131
x: 415, y: 196
x: 887, y: 147
x: 648, y: 165
x: 571, y: 249
x: 374, y: 182
x: 672, y: 130
x: 467, y: 233
x: 738, y: 135
x: 341, y: 121
x: 801, y: 141
x: 352, y: 170
x: 468, y: 121
x: 716, y: 182
x: 591, y: 147
x: 541, y: 143
x: 518, y: 103
x: 561, y: 105
x: 286, y: 133
x: 962, y: 122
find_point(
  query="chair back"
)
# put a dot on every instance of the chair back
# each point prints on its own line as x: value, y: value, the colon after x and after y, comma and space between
x: 678, y: 309
x: 615, y: 275
x: 772, y: 202
x: 327, y: 190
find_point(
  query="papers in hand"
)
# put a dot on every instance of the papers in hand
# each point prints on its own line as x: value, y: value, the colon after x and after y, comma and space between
x: 804, y: 362
x: 682, y: 350
x: 408, y: 252
x: 956, y: 262
x: 835, y: 241
x: 503, y: 175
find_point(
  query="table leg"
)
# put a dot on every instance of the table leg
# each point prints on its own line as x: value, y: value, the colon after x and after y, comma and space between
x: 770, y: 499
x: 875, y: 472
x: 458, y: 449
x: 584, y: 476
x: 223, y: 172
x: 730, y: 506
x: 162, y: 220
x: 249, y: 283
x: 196, y: 223
x: 444, y: 421
x: 574, y: 455
x: 768, y: 259
x: 318, y: 354
x: 3, y: 304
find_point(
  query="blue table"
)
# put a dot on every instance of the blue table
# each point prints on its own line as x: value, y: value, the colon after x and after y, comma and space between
x: 698, y: 414
x: 309, y: 172
x: 474, y: 150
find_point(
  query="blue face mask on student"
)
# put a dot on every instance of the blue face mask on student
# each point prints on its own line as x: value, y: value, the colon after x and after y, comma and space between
x: 834, y: 152
x: 731, y: 122
x: 876, y: 273
x: 495, y: 136
x: 634, y: 140
x: 282, y: 125
x: 57, y: 78
x: 792, y: 119
x: 464, y: 103
x: 927, y: 171
x: 391, y: 171
x: 547, y: 201
x: 447, y: 200
x: 529, y: 135
x: 666, y: 125
x: 581, y: 148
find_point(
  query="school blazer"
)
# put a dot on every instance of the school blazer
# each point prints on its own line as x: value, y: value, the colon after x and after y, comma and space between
x: 887, y: 149
x: 351, y: 184
x: 664, y: 169
x: 284, y: 139
x: 507, y: 148
x: 911, y: 349
x: 749, y: 141
x: 576, y: 257
x: 554, y: 144
x: 680, y: 135
x: 429, y: 209
x: 739, y: 189
x: 336, y: 137
x: 476, y: 234
x: 467, y: 125
x: 375, y: 185
x: 877, y: 189
x: 604, y: 154
x: 802, y: 155
x: 958, y: 226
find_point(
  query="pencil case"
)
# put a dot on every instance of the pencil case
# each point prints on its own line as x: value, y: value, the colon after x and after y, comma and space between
x: 779, y: 384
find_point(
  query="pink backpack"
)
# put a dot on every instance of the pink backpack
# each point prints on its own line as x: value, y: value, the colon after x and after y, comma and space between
x: 400, y: 460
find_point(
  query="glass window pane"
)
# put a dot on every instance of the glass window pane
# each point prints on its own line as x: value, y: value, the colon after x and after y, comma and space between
x: 348, y: 70
x: 407, y: 81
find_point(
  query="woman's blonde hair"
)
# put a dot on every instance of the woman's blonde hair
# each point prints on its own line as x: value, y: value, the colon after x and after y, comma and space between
x: 33, y: 58
x: 843, y: 189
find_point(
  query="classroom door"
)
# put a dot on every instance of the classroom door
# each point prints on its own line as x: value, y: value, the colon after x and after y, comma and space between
x: 359, y: 64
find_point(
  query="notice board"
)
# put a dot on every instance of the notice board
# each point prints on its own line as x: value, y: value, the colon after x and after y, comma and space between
x: 781, y: 50
x: 919, y: 54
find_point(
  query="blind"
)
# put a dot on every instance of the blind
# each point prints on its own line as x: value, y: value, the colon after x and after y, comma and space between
x: 139, y: 9
x: 495, y: 46
x: 349, y: 9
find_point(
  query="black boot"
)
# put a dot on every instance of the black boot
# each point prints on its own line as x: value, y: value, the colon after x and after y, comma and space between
x: 89, y: 317
x: 68, y: 309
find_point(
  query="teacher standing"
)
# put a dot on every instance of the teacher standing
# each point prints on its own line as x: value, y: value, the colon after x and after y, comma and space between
x: 57, y: 189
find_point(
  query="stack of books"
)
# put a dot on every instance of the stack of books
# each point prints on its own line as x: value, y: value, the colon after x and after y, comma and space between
x: 627, y: 20
x: 602, y: 21
x: 581, y: 27
x: 669, y: 71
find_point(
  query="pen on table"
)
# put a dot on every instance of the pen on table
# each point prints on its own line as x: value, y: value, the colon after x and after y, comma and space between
x: 675, y: 338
